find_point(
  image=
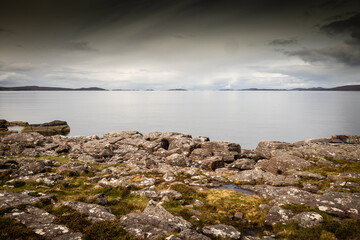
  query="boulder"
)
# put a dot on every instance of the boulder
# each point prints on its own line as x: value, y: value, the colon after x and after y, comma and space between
x: 267, y: 149
x: 336, y: 203
x: 176, y: 160
x: 280, y: 163
x: 243, y: 164
x: 98, y: 148
x: 189, y: 234
x: 41, y: 222
x: 48, y: 129
x: 155, y: 209
x: 228, y: 151
x: 278, y: 215
x: 212, y: 163
x: 95, y: 212
x: 222, y: 231
x: 11, y: 199
x: 3, y: 125
x: 308, y: 219
x: 146, y: 226
x: 24, y: 139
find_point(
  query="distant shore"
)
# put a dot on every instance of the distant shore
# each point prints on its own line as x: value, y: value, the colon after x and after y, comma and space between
x: 37, y: 88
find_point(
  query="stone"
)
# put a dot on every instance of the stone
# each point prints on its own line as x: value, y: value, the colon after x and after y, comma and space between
x: 147, y: 226
x: 114, y: 182
x: 308, y: 219
x: 280, y: 163
x: 278, y: 215
x: 212, y: 163
x: 336, y: 203
x: 42, y: 224
x: 95, y: 213
x: 24, y: 139
x: 169, y: 177
x: 190, y: 234
x: 98, y: 149
x: 158, y: 195
x: 198, y: 203
x: 228, y: 151
x: 266, y: 149
x: 238, y: 215
x: 12, y: 199
x: 176, y: 160
x: 48, y: 129
x: 222, y: 231
x: 155, y: 209
x: 243, y: 164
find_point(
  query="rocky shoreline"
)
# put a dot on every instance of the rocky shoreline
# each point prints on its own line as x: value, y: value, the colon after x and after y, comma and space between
x: 127, y: 185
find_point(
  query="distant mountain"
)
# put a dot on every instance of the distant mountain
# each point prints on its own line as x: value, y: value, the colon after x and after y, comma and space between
x: 341, y: 88
x: 177, y: 89
x: 37, y: 88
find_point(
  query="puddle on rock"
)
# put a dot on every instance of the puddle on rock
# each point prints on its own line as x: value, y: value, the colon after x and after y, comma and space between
x: 236, y: 188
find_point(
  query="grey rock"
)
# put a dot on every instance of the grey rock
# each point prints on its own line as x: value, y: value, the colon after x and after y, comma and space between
x: 337, y: 203
x: 147, y: 226
x: 222, y: 231
x: 24, y: 139
x: 280, y: 163
x: 278, y: 215
x: 176, y: 160
x: 12, y: 199
x: 95, y: 213
x: 114, y: 182
x: 48, y: 129
x: 212, y: 163
x: 40, y: 222
x: 189, y: 234
x: 308, y: 219
x: 243, y: 164
x: 155, y: 209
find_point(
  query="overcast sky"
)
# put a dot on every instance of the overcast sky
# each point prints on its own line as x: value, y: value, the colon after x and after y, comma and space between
x: 193, y: 44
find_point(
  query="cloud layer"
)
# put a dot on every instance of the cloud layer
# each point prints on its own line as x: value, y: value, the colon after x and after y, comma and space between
x: 195, y: 44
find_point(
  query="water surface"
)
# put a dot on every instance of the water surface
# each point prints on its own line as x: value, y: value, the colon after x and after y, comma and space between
x: 241, y: 117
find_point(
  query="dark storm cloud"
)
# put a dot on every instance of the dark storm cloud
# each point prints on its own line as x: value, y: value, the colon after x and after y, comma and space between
x: 347, y: 52
x: 349, y: 25
x: 4, y: 30
x: 282, y: 42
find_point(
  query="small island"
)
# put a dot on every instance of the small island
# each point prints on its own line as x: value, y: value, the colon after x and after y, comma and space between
x: 167, y: 185
x: 37, y: 88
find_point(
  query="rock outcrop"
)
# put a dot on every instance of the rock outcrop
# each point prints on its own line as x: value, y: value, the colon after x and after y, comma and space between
x: 158, y: 184
x: 48, y: 129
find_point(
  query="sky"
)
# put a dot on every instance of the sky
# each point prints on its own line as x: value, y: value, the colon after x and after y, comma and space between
x: 192, y: 44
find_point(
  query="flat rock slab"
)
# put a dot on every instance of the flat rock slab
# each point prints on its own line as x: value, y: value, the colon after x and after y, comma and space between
x: 222, y: 231
x: 147, y: 226
x: 95, y: 213
x: 11, y: 199
x: 40, y: 222
x: 337, y: 203
x: 155, y: 209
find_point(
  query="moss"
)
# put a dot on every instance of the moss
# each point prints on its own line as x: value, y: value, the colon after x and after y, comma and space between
x: 18, y: 184
x: 342, y: 166
x: 218, y: 205
x: 108, y: 230
x: 11, y: 229
x: 346, y: 229
x: 59, y: 159
x: 295, y: 208
x: 127, y: 204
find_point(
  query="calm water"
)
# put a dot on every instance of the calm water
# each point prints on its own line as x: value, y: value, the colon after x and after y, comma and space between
x: 241, y: 117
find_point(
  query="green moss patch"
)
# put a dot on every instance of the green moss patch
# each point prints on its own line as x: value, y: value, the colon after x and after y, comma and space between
x: 10, y: 229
